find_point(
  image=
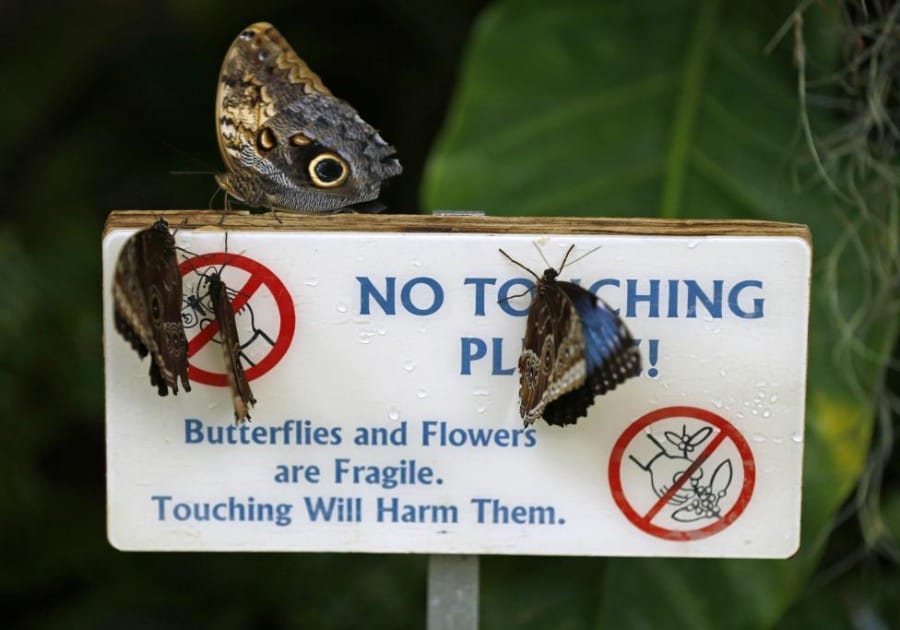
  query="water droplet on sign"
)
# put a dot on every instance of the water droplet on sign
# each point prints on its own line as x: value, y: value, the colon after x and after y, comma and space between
x: 409, y: 366
x: 394, y: 413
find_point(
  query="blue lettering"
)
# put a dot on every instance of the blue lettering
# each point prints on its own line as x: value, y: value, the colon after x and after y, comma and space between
x: 472, y: 349
x: 694, y: 293
x: 436, y: 291
x: 734, y: 295
x: 634, y: 297
x: 497, y: 368
x: 193, y: 431
x: 673, y: 298
x: 367, y: 290
x: 480, y: 283
x: 504, y: 296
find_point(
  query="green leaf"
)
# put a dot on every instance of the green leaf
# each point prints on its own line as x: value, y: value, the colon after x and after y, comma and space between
x: 580, y: 108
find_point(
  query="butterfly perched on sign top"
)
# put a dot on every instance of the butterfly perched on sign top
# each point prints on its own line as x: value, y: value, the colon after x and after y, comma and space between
x: 575, y: 348
x: 147, y: 305
x: 287, y: 143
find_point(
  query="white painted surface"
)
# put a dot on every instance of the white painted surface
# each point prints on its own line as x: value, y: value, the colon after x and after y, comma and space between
x: 345, y: 370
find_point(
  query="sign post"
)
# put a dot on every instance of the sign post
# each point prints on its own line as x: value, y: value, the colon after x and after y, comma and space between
x: 382, y: 352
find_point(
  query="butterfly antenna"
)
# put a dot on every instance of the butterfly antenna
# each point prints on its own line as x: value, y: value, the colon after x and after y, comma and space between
x: 178, y: 227
x: 585, y: 255
x: 213, y: 198
x: 512, y: 297
x: 516, y: 262
x: 544, y: 258
x: 224, y: 258
x: 225, y: 209
x: 190, y: 261
x: 566, y: 257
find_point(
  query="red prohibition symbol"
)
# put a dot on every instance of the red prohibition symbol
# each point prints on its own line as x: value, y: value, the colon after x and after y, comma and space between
x: 260, y: 276
x: 717, y: 433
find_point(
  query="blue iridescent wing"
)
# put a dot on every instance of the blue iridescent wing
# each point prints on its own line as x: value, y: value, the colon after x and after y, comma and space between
x: 607, y: 349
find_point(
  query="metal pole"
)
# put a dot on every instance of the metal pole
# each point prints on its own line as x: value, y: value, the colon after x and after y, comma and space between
x: 452, y: 592
x: 453, y: 579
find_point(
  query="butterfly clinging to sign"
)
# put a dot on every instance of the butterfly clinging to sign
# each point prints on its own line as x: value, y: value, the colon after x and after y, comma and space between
x: 147, y: 305
x: 576, y: 348
x: 241, y: 395
x: 287, y: 143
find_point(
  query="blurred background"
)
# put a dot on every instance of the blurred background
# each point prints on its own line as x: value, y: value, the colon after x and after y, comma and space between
x: 573, y: 108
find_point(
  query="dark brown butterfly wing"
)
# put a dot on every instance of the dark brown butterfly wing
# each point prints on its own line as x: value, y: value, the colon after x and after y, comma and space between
x: 552, y: 360
x: 287, y: 142
x: 147, y: 305
x: 242, y: 396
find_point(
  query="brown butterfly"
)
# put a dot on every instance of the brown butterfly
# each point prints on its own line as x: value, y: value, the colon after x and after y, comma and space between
x: 147, y: 305
x: 576, y: 348
x: 242, y: 396
x: 287, y: 143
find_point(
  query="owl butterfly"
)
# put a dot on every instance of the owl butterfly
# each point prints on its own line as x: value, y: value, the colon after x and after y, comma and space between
x: 575, y: 348
x: 147, y: 305
x: 223, y: 311
x: 287, y: 143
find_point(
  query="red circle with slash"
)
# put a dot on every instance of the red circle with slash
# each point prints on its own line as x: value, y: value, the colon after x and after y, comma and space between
x: 727, y: 431
x: 260, y: 276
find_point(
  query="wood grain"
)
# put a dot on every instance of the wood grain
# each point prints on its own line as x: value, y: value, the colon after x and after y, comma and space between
x: 292, y: 222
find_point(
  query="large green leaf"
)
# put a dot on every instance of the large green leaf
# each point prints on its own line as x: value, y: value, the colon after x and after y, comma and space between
x: 582, y: 108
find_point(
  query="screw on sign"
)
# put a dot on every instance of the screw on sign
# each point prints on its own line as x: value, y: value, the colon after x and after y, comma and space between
x: 260, y: 301
x: 681, y: 473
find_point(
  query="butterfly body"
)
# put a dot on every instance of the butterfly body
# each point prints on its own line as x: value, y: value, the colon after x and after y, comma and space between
x: 575, y: 349
x: 287, y: 142
x: 242, y: 396
x: 147, y: 305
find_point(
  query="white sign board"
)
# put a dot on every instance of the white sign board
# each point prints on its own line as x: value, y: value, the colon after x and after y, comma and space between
x: 387, y: 416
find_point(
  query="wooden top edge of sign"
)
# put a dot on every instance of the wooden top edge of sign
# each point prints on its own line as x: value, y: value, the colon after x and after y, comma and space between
x: 466, y: 223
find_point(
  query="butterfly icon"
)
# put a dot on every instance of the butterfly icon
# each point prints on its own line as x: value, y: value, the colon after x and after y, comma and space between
x: 576, y: 348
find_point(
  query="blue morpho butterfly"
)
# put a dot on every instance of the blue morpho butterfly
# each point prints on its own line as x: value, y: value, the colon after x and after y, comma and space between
x: 575, y: 348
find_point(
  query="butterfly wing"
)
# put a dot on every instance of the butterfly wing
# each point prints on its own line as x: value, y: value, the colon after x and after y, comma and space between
x: 242, y: 396
x: 552, y: 361
x: 286, y: 141
x: 608, y: 350
x: 147, y: 305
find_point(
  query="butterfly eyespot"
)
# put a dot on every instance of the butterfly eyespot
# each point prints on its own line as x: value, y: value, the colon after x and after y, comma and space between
x: 328, y: 170
x: 266, y: 139
x: 263, y: 55
x: 248, y: 34
x: 155, y: 308
x: 299, y: 140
